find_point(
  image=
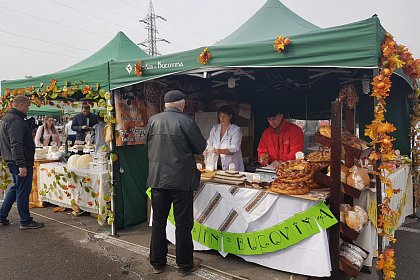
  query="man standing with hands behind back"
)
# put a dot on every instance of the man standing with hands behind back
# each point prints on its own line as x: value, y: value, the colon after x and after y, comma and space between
x: 280, y: 141
x: 17, y: 149
x: 172, y: 139
x: 84, y: 122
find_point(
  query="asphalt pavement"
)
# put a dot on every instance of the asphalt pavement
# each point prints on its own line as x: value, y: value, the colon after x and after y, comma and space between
x: 72, y: 248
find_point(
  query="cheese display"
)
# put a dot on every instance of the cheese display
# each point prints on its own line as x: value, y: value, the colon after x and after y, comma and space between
x: 83, y: 161
x: 72, y: 162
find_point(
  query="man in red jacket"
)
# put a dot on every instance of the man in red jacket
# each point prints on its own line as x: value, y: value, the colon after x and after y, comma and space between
x: 280, y: 141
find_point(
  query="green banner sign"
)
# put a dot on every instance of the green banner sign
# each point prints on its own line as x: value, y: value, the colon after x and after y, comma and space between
x: 287, y: 233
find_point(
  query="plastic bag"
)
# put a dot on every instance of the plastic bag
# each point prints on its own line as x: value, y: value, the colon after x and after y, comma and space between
x: 210, y: 160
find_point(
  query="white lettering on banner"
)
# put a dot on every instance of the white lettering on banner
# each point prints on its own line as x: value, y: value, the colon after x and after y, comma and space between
x: 161, y: 65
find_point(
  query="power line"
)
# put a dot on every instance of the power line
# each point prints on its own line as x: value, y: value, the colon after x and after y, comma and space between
x: 92, y: 15
x: 49, y: 42
x: 29, y: 49
x: 182, y: 27
x: 51, y: 21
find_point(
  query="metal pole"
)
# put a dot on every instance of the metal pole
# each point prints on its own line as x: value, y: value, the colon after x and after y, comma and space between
x: 111, y: 148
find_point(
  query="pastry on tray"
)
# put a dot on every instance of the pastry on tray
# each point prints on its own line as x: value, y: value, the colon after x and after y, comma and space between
x: 297, y: 188
x: 295, y: 171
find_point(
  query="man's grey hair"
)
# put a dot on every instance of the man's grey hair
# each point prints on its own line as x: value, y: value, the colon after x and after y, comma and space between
x: 176, y: 104
x: 21, y: 99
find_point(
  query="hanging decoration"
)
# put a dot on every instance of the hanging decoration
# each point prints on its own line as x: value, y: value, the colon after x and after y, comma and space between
x: 44, y: 95
x: 204, y: 56
x: 394, y: 56
x: 280, y: 43
x: 138, y: 69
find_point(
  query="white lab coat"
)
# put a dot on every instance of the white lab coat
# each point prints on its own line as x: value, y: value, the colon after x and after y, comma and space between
x: 231, y: 140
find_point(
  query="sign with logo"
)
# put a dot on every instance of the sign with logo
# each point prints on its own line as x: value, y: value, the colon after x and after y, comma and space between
x: 131, y: 117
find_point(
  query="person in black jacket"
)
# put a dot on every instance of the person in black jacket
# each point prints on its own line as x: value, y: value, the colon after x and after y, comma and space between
x: 84, y: 122
x: 172, y: 140
x: 17, y: 149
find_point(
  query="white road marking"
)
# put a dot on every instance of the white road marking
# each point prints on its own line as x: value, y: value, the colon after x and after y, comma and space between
x: 138, y: 249
x: 409, y: 229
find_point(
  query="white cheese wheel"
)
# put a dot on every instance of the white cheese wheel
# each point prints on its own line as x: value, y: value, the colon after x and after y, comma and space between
x: 83, y: 161
x: 72, y: 162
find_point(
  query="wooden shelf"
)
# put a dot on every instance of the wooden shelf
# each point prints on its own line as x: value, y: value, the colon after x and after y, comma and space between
x: 355, y: 153
x: 350, y: 191
x: 322, y: 179
x: 322, y: 140
x: 348, y: 233
x: 348, y: 268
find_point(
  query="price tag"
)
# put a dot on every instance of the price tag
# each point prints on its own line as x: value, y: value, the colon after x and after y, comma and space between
x: 299, y: 155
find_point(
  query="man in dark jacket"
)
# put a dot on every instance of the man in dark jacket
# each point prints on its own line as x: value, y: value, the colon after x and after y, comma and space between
x: 17, y: 149
x: 84, y: 122
x: 172, y: 140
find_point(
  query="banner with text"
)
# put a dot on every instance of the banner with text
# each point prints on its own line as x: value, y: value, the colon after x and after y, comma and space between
x: 287, y: 233
x: 131, y: 118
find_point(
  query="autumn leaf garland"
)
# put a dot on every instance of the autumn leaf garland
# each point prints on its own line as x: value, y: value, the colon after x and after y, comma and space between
x: 394, y: 56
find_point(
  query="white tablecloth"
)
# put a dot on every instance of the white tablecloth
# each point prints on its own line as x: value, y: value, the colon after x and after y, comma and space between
x: 368, y: 238
x: 240, y: 210
x: 91, y: 192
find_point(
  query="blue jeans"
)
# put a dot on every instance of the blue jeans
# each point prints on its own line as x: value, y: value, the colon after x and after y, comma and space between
x: 19, y: 192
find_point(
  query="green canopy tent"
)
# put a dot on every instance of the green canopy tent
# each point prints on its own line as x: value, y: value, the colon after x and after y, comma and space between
x: 353, y: 48
x: 43, y: 110
x: 92, y: 70
x: 272, y: 19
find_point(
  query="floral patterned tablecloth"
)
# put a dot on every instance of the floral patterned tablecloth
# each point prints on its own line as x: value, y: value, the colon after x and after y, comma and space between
x: 88, y: 189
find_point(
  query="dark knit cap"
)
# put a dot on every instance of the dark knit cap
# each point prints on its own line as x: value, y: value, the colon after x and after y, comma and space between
x: 173, y: 95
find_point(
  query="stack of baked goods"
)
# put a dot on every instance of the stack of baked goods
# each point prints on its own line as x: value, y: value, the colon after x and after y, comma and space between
x: 228, y: 177
x: 356, y: 176
x: 320, y: 158
x: 257, y: 184
x: 353, y: 141
x: 293, y: 176
x: 354, y: 254
x: 346, y: 138
x: 354, y: 217
x: 325, y: 131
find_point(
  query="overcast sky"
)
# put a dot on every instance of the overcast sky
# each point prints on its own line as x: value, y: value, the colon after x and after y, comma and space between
x: 44, y: 36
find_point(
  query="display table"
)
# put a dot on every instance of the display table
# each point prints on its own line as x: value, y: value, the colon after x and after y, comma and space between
x: 368, y: 238
x: 34, y: 200
x: 240, y: 210
x: 88, y: 189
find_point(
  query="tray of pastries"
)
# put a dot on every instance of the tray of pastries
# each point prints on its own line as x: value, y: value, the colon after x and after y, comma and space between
x: 295, y: 171
x: 298, y: 188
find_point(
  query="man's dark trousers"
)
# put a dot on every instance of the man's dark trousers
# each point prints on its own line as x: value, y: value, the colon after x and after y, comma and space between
x: 184, y: 220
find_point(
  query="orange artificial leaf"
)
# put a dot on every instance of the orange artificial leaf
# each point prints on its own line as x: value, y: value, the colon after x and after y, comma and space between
x: 386, y: 128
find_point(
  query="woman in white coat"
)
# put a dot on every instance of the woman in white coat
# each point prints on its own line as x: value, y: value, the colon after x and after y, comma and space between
x: 225, y: 140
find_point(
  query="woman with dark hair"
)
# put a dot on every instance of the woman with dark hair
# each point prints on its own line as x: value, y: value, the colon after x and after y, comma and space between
x: 225, y: 140
x: 47, y: 133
